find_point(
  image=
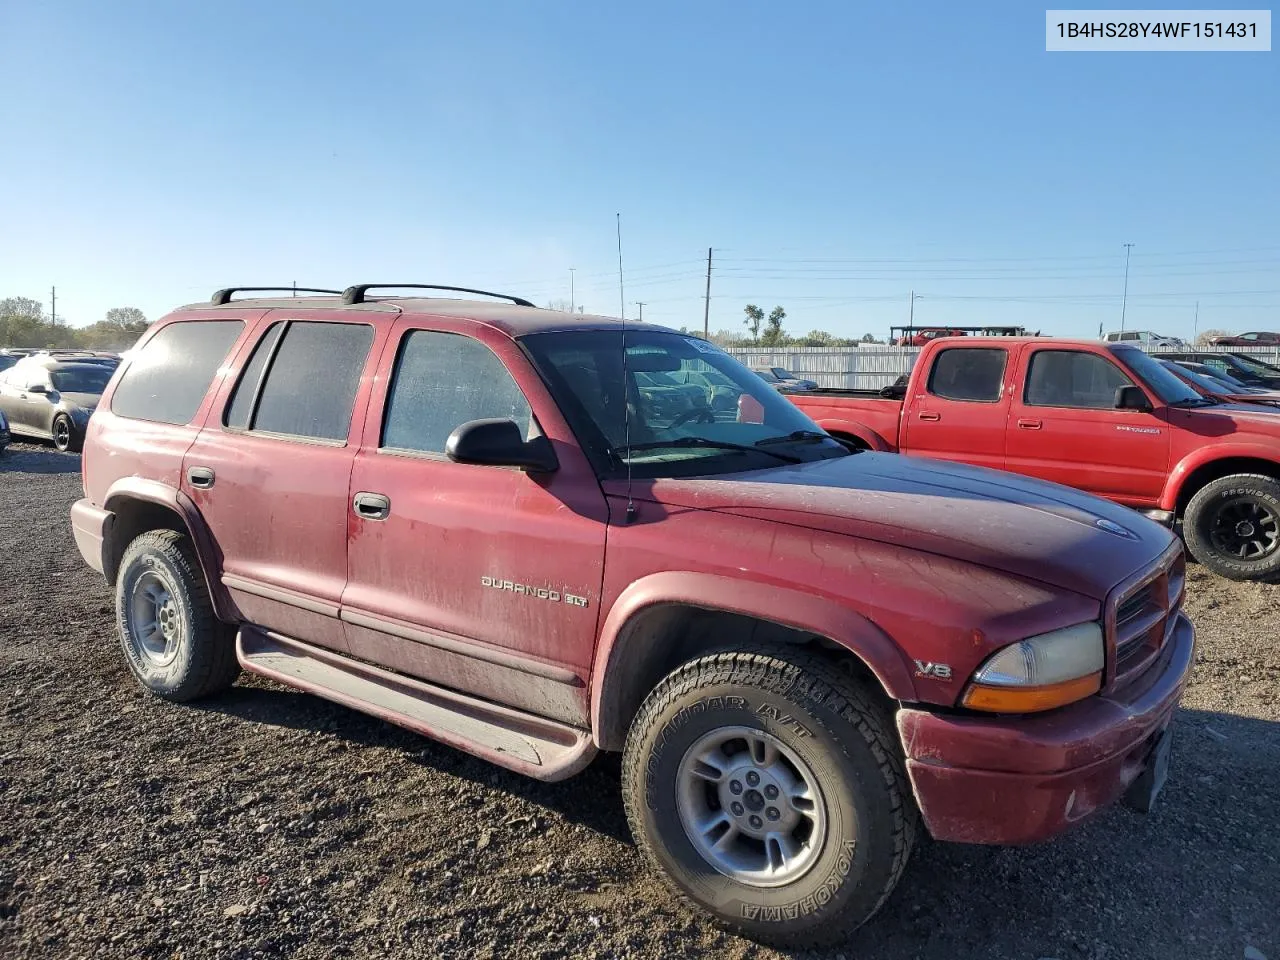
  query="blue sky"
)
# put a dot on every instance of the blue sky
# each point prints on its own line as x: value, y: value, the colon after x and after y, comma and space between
x: 835, y: 155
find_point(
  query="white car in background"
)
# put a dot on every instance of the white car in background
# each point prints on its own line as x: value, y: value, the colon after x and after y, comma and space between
x: 1145, y: 339
x: 785, y: 381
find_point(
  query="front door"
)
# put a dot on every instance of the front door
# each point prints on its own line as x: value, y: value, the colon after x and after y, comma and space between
x: 1064, y: 427
x: 481, y: 578
x: 269, y: 472
x: 961, y: 410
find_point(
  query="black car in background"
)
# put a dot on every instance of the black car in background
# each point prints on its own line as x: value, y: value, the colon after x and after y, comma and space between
x: 1248, y: 370
x: 50, y: 398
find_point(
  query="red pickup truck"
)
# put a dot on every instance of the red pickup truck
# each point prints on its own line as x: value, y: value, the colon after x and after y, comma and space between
x: 487, y: 523
x: 1103, y: 417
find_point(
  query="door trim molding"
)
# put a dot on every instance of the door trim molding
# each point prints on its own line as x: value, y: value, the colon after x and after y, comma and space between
x: 461, y: 646
x: 232, y: 582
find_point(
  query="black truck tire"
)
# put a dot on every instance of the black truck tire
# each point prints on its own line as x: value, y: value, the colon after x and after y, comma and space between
x: 173, y: 642
x: 1232, y: 526
x: 816, y: 723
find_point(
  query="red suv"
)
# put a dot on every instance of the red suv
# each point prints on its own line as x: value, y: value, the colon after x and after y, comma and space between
x: 466, y: 518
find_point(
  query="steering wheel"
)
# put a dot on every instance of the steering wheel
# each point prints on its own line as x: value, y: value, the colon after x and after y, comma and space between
x: 700, y: 414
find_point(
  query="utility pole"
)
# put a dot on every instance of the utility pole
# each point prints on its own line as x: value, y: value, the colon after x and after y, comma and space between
x: 640, y: 304
x: 706, y: 307
x: 53, y: 306
x: 571, y: 303
x: 1195, y: 327
x: 295, y: 288
x: 911, y: 312
x: 1124, y: 298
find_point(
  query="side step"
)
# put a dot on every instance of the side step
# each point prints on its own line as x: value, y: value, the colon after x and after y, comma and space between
x: 539, y: 748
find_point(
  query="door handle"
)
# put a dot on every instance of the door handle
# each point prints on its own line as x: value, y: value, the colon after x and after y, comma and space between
x: 372, y: 506
x: 930, y: 415
x: 200, y: 477
x: 1028, y: 424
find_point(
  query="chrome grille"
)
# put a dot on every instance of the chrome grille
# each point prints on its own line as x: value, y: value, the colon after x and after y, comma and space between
x: 1143, y: 616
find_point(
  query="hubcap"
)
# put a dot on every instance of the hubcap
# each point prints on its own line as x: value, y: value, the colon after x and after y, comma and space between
x: 155, y: 623
x: 751, y: 807
x: 1246, y: 528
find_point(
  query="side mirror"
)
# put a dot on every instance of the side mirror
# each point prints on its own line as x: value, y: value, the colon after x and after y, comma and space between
x: 499, y: 443
x: 37, y: 388
x: 1132, y: 398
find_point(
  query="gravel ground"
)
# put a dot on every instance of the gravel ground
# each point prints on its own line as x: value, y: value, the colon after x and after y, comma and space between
x: 267, y: 823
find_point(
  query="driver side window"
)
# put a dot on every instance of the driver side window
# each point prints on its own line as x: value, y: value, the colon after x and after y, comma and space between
x: 441, y: 381
x: 1070, y: 378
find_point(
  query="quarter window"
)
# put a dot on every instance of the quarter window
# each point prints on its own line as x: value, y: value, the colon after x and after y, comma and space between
x: 1069, y: 378
x: 441, y: 381
x: 171, y: 373
x: 310, y: 382
x: 968, y: 373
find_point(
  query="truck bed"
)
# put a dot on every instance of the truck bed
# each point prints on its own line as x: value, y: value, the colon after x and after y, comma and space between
x: 861, y: 415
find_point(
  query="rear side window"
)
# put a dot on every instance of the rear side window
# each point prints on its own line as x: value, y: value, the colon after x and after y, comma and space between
x: 1069, y: 378
x: 305, y: 385
x: 171, y: 373
x: 441, y: 381
x: 970, y: 373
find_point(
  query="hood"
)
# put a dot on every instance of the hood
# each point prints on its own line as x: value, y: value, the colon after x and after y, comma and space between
x: 1020, y: 526
x: 1228, y: 418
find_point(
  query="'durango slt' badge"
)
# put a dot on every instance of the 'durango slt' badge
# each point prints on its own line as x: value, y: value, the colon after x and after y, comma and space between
x: 528, y: 590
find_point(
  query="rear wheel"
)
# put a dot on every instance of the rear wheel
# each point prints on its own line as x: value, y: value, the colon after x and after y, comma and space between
x: 65, y: 436
x: 1232, y: 526
x: 767, y: 790
x: 174, y: 644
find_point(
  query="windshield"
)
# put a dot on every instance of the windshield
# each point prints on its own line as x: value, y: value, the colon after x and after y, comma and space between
x: 80, y: 379
x: 716, y: 417
x: 1221, y: 376
x: 1207, y: 384
x: 782, y: 374
x: 1167, y: 386
x: 1256, y: 366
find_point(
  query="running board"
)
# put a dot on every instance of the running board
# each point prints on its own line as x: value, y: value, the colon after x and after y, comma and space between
x: 534, y: 746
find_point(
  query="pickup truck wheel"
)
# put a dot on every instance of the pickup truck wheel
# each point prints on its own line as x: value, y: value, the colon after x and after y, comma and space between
x: 174, y: 644
x: 1232, y: 526
x: 768, y: 791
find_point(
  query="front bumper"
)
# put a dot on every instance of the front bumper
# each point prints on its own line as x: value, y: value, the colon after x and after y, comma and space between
x: 90, y: 525
x: 1013, y: 780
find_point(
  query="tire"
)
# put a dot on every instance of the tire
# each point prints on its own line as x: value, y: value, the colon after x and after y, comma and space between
x: 189, y: 653
x: 1232, y: 526
x: 65, y: 436
x: 862, y: 823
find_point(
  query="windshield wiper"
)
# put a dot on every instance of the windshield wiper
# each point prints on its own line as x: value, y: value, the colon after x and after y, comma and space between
x: 679, y: 442
x: 795, y: 436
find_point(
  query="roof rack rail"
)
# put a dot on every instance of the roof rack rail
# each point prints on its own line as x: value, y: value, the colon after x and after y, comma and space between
x: 224, y: 295
x: 356, y: 294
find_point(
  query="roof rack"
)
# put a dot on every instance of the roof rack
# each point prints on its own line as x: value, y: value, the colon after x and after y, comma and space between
x: 356, y: 294
x: 224, y: 295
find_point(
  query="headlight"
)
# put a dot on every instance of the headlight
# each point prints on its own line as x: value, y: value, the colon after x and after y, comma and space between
x: 1040, y: 673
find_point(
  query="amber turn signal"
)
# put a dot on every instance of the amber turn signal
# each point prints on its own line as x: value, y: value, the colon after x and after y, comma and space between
x: 1002, y: 699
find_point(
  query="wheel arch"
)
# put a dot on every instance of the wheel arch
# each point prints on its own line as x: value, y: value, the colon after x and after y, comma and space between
x: 858, y: 433
x: 669, y: 618
x: 138, y: 505
x: 1206, y: 465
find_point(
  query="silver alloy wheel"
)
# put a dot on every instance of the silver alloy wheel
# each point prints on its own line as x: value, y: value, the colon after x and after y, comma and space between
x: 751, y: 807
x: 62, y: 433
x: 155, y: 622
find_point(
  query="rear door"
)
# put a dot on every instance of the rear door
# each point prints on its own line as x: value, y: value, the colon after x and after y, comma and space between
x: 269, y: 472
x: 1064, y: 427
x: 23, y: 408
x: 485, y: 579
x: 960, y: 408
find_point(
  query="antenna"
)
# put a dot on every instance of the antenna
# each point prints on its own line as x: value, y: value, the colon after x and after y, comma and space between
x: 626, y: 398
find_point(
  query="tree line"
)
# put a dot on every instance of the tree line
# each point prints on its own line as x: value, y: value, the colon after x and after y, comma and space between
x: 23, y: 323
x: 767, y: 331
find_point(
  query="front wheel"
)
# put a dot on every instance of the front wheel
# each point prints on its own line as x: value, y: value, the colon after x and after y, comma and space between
x: 766, y: 789
x: 1232, y: 526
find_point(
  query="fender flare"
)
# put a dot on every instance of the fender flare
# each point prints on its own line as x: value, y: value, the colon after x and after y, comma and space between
x: 1205, y: 455
x: 873, y: 440
x: 792, y: 608
x: 207, y: 553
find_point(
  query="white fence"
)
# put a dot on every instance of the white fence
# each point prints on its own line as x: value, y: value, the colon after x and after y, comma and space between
x: 875, y: 365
